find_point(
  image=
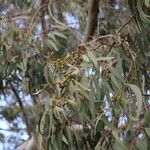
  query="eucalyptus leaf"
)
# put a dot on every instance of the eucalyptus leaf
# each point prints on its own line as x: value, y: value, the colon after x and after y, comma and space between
x: 53, y: 44
x: 147, y: 130
x: 60, y: 35
x: 139, y: 98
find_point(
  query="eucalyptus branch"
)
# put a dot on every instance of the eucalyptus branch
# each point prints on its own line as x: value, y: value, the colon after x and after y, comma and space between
x: 43, y: 21
x: 93, y: 9
x: 109, y: 36
x: 23, y: 15
x: 15, y: 18
x: 60, y: 23
x: 21, y: 107
x: 12, y: 129
x: 33, y: 18
x: 144, y: 94
x: 128, y: 21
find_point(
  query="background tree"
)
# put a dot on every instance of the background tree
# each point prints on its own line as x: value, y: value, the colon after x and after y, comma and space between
x: 75, y: 74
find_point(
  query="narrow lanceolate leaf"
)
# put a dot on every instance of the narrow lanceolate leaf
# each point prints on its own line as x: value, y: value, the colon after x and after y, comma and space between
x: 85, y: 58
x: 92, y: 58
x: 46, y: 74
x: 105, y: 58
x: 65, y: 140
x: 138, y: 96
x: 142, y: 144
x: 51, y: 35
x: 82, y: 86
x: 147, y: 117
x: 121, y: 144
x: 147, y: 130
x: 60, y: 35
x: 53, y: 44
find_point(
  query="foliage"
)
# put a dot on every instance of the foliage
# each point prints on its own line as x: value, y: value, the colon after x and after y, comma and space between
x: 141, y: 8
x: 84, y: 95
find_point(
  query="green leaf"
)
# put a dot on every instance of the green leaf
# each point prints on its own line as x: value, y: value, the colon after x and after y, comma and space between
x: 59, y: 109
x: 59, y: 139
x: 146, y: 118
x: 60, y: 35
x: 109, y: 124
x: 141, y: 144
x: 92, y: 58
x: 46, y: 74
x: 147, y: 130
x: 147, y: 3
x: 117, y: 146
x: 138, y: 96
x: 69, y: 137
x: 104, y: 58
x: 52, y: 36
x: 116, y: 73
x: 51, y: 74
x: 82, y: 86
x: 121, y: 144
x: 60, y: 27
x: 65, y: 140
x: 143, y: 15
x: 53, y: 44
x: 85, y: 58
x: 97, y: 121
x: 116, y: 82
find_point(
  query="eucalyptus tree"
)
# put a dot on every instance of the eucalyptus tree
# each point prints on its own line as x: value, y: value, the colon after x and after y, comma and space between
x: 76, y: 73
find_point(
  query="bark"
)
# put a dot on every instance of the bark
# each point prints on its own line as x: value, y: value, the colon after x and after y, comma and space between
x: 43, y: 13
x: 30, y: 144
x: 93, y: 10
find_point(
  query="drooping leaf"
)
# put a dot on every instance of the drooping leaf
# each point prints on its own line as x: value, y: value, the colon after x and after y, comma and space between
x: 147, y: 130
x: 52, y: 43
x: 60, y: 35
x: 139, y: 98
x: 92, y: 58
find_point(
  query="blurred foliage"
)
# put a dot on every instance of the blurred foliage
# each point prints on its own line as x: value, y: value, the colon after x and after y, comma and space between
x: 92, y: 95
x: 141, y: 8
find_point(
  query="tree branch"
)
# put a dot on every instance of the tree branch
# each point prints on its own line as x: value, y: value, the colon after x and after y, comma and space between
x: 35, y: 14
x: 21, y: 107
x: 43, y: 21
x: 15, y: 18
x: 128, y: 21
x: 60, y: 23
x: 93, y: 10
x: 23, y: 15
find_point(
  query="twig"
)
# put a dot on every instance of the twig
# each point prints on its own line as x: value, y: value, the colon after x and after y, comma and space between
x: 130, y: 69
x: 12, y: 129
x: 143, y: 84
x: 144, y: 94
x: 21, y: 107
x: 60, y: 23
x: 124, y: 24
x: 143, y: 90
x: 109, y: 35
x: 32, y: 20
x: 22, y: 15
x: 15, y: 18
x: 43, y: 21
